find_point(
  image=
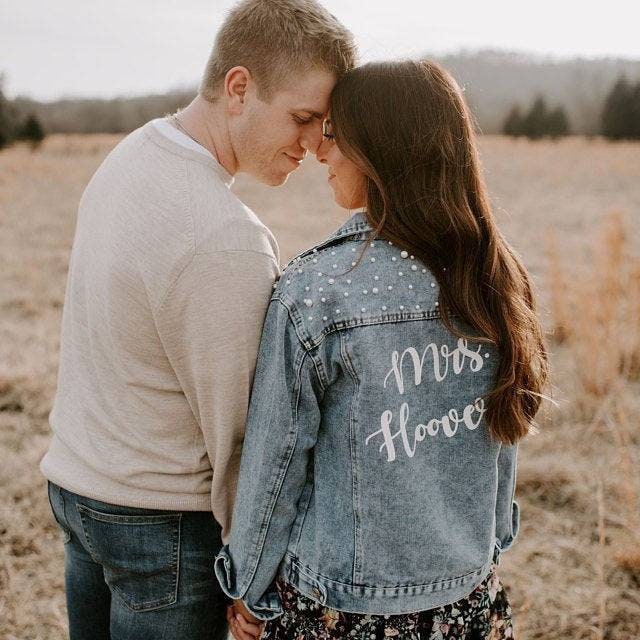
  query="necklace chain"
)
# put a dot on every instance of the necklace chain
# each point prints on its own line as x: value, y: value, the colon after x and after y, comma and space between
x: 178, y: 124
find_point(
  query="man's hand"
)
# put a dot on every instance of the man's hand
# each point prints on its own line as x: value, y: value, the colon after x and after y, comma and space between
x: 242, y: 624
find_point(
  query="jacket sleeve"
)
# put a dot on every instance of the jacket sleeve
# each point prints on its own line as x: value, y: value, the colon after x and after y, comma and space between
x: 507, y: 510
x: 282, y: 427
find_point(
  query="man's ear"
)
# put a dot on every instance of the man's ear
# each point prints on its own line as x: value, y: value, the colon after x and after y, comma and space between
x: 236, y: 84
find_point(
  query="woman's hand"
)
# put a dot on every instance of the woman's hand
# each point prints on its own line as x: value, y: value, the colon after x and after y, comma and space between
x: 242, y: 624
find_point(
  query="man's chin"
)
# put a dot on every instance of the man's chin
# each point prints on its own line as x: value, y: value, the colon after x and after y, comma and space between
x: 274, y: 179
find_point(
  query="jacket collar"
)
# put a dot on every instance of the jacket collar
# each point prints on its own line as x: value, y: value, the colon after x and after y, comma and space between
x: 355, y: 225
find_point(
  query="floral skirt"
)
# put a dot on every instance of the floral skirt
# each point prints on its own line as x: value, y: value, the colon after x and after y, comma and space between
x: 484, y: 614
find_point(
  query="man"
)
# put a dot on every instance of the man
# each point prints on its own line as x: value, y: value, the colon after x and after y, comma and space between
x: 169, y: 279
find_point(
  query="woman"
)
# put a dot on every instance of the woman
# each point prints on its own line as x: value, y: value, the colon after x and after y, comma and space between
x: 401, y: 363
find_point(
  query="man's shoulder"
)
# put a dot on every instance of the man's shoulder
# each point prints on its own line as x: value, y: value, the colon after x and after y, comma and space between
x: 222, y: 222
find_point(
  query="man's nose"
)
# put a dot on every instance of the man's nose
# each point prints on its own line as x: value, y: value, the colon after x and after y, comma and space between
x: 312, y: 138
x: 322, y: 150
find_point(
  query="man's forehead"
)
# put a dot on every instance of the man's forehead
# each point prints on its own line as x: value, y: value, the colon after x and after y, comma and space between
x: 309, y: 93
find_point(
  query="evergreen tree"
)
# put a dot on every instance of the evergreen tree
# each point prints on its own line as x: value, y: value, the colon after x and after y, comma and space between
x: 617, y: 115
x: 32, y: 132
x: 513, y: 123
x: 6, y: 120
x: 534, y: 125
x: 634, y: 129
x: 557, y: 123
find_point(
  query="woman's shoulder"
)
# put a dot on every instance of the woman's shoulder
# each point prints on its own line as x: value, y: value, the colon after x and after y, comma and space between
x: 353, y: 281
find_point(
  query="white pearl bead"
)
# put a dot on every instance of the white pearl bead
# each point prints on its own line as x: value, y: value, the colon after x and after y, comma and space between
x: 433, y: 284
x: 365, y: 291
x: 306, y: 288
x: 308, y: 302
x: 320, y: 289
x: 424, y: 271
x: 404, y: 254
x: 384, y: 308
x: 333, y: 253
x: 288, y: 281
x: 394, y: 259
x: 348, y: 280
x: 412, y: 257
x: 363, y: 309
x: 331, y: 280
x: 376, y: 278
x: 486, y: 355
x: 401, y: 307
x: 299, y: 270
x: 324, y: 318
x: 335, y: 266
x: 337, y: 310
x: 413, y: 267
x: 353, y: 264
x: 389, y: 288
x: 417, y: 306
x: 410, y: 286
x: 400, y: 273
x: 323, y: 299
x: 375, y: 289
x: 310, y: 317
x: 373, y: 259
x: 346, y: 294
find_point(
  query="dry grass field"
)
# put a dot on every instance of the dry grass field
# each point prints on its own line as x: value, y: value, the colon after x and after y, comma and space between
x: 571, y: 209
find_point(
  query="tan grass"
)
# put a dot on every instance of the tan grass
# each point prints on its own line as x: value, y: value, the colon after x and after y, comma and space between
x: 574, y: 572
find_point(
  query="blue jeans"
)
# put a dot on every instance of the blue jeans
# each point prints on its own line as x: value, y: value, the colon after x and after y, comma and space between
x: 139, y: 574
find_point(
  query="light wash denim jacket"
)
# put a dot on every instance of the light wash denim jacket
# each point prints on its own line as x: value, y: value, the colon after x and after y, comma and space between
x: 368, y: 478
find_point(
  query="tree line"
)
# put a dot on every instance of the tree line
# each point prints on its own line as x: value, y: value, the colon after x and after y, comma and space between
x: 26, y: 120
x: 619, y: 119
x: 15, y: 125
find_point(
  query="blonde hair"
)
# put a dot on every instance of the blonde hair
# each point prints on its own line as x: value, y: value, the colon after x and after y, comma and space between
x: 273, y: 39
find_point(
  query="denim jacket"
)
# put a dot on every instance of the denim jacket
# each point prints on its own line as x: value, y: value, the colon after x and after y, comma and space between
x: 368, y: 479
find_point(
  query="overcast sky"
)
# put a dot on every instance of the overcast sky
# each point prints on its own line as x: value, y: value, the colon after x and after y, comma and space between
x: 123, y: 47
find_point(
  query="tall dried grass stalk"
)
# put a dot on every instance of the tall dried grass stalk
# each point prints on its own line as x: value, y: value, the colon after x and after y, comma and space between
x: 558, y: 292
x: 595, y: 311
x: 602, y: 541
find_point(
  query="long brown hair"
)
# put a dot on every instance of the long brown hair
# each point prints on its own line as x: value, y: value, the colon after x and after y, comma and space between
x: 406, y: 125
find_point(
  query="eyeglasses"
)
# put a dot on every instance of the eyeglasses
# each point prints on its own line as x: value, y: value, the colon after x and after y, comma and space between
x: 325, y: 130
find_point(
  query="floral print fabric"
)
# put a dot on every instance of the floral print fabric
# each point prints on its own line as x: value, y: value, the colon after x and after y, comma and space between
x: 484, y: 614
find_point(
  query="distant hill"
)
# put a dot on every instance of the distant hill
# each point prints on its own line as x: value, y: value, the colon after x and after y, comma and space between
x: 496, y: 80
x: 493, y: 81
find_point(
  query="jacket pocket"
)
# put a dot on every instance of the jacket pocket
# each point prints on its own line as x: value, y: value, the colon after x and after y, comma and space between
x: 139, y: 554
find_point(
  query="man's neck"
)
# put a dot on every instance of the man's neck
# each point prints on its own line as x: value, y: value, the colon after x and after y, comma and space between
x: 205, y: 122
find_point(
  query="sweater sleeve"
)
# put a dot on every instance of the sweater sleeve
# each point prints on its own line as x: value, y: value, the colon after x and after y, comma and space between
x: 210, y: 323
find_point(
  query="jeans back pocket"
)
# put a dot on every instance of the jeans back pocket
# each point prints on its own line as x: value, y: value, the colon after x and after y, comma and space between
x: 56, y: 502
x: 139, y: 553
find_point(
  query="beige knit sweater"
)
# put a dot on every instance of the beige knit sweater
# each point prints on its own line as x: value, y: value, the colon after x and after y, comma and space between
x: 169, y: 280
